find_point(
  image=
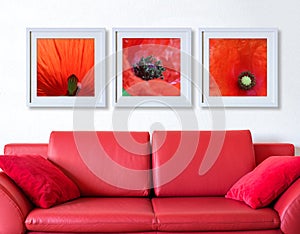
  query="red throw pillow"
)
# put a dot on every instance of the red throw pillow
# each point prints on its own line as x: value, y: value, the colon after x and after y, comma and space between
x: 43, y: 183
x: 266, y: 182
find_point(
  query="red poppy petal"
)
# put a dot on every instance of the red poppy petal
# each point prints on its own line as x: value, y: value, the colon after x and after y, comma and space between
x: 153, y: 88
x: 229, y: 58
x: 57, y: 59
x: 167, y: 50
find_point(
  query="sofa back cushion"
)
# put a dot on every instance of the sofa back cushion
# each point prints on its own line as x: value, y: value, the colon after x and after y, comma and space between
x: 104, y: 163
x: 200, y: 163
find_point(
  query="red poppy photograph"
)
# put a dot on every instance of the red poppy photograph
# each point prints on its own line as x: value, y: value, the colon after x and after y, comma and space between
x: 151, y: 66
x: 65, y: 67
x: 238, y: 67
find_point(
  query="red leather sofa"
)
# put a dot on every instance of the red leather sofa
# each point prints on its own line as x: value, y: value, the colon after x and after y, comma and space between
x: 174, y: 182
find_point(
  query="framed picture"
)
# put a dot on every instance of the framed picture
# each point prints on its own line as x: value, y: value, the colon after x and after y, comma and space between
x: 152, y: 67
x: 239, y: 67
x: 66, y: 67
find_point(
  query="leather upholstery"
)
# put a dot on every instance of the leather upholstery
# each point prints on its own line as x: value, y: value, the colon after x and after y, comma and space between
x: 117, y: 232
x: 94, y: 215
x: 277, y: 231
x: 200, y: 163
x: 265, y: 150
x: 104, y: 163
x: 154, y: 232
x: 288, y: 208
x: 210, y: 214
x: 105, y: 208
x: 17, y: 149
x: 14, y: 206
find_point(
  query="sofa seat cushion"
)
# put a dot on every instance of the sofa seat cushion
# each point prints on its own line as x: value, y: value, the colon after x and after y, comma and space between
x: 94, y: 215
x: 211, y: 214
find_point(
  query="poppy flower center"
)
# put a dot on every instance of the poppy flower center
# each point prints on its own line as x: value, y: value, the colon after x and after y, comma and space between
x: 246, y: 80
x: 73, y: 85
x: 149, y: 68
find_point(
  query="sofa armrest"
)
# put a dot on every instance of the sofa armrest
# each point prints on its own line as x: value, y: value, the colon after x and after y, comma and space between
x: 14, y: 206
x: 288, y: 208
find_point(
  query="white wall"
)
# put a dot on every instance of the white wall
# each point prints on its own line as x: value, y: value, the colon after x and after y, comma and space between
x: 18, y: 123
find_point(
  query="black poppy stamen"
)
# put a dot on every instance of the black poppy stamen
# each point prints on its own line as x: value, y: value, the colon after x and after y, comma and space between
x: 149, y: 68
x: 246, y: 80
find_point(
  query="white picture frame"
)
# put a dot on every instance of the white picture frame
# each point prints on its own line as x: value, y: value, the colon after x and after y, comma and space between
x: 47, y: 69
x: 132, y: 35
x: 218, y: 46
